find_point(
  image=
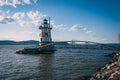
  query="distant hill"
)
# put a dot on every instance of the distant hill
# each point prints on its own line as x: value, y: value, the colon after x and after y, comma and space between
x: 29, y: 42
x: 8, y: 42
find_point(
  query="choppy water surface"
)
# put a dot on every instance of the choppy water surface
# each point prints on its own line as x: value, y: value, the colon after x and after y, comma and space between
x: 64, y: 64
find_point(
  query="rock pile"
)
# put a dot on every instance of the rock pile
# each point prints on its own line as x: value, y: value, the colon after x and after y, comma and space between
x: 110, y: 71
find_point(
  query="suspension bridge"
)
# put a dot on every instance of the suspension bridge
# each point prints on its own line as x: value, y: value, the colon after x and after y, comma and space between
x: 77, y: 44
x: 77, y: 41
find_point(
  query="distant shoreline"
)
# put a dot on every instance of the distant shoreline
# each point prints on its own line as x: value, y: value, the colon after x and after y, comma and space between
x: 9, y: 42
x: 12, y: 42
x: 28, y: 42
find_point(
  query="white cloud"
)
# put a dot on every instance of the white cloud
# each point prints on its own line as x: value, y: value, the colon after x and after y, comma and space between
x: 89, y: 32
x: 23, y: 23
x: 14, y: 3
x: 27, y: 1
x: 32, y: 18
x: 36, y: 22
x: 60, y: 27
x: 15, y: 19
x: 9, y: 3
x: 74, y: 28
x: 3, y: 2
x: 6, y: 20
x: 82, y: 28
x: 19, y: 15
x: 52, y: 22
x: 77, y: 27
x: 4, y: 13
x: 22, y: 18
x: 85, y: 30
x: 91, y: 35
x: 35, y: 17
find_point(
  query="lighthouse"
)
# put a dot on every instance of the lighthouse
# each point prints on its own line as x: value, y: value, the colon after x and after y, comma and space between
x: 45, y: 33
x: 45, y: 45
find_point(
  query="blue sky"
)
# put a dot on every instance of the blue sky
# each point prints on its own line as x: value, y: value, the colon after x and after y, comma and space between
x: 89, y: 20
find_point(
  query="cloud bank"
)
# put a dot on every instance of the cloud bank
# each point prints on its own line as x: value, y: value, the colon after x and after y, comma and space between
x: 14, y: 3
x: 22, y: 18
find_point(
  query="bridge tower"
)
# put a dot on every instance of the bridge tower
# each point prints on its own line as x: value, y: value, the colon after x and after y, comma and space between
x: 45, y: 33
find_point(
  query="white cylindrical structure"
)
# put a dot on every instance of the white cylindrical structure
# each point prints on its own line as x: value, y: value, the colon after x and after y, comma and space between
x: 45, y: 33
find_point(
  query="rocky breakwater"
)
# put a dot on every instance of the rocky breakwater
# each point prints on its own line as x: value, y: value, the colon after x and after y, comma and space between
x: 110, y: 71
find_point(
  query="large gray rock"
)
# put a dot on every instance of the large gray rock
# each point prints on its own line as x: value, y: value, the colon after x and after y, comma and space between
x: 110, y: 71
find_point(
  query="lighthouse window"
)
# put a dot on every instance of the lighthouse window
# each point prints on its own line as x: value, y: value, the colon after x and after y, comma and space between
x: 46, y: 34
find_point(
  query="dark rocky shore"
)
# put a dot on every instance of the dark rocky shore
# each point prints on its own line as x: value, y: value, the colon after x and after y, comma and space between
x: 110, y: 71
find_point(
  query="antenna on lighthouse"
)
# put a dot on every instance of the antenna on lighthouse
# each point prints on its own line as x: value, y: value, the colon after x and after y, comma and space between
x: 49, y: 21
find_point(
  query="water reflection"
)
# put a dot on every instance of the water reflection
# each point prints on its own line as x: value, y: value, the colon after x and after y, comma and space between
x: 45, y: 67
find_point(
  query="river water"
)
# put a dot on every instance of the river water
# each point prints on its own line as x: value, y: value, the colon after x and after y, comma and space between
x: 64, y: 64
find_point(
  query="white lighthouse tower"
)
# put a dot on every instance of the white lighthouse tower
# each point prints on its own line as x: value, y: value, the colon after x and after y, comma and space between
x: 45, y: 45
x: 45, y: 33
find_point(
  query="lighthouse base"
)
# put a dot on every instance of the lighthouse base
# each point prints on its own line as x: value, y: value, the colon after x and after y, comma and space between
x: 39, y: 50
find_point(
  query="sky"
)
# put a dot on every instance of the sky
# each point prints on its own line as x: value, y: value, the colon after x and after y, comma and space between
x: 85, y: 20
